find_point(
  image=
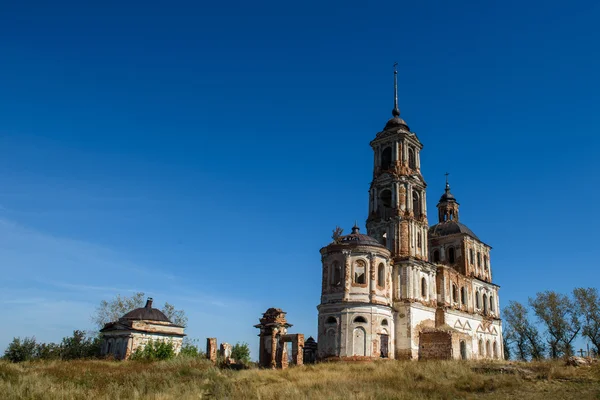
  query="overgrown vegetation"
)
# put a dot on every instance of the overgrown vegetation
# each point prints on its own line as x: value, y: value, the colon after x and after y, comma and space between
x: 77, y: 346
x: 154, y: 351
x: 240, y: 352
x: 193, y: 378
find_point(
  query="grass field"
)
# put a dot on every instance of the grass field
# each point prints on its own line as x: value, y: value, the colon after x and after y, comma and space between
x: 196, y: 378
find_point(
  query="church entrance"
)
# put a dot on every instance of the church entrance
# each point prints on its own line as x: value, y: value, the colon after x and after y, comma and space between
x: 384, y: 340
x: 463, y: 350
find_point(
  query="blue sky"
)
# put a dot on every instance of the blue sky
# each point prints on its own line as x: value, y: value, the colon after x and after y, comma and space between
x: 204, y: 153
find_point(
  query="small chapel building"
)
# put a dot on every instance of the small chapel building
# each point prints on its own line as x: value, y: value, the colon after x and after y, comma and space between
x: 136, y: 328
x: 406, y: 290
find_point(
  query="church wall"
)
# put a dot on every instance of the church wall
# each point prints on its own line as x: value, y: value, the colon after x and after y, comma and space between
x: 477, y: 328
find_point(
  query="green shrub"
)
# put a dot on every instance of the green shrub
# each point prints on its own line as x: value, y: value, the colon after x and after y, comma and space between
x: 21, y: 350
x: 48, y: 351
x: 240, y: 352
x: 80, y: 346
x: 154, y: 351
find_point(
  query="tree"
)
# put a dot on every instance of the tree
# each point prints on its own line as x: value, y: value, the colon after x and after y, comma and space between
x: 561, y: 319
x: 21, y: 350
x: 109, y: 311
x: 154, y: 350
x: 240, y: 352
x: 48, y: 351
x: 588, y: 305
x: 521, y: 332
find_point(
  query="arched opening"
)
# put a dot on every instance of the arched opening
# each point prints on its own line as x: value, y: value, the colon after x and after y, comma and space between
x: 419, y: 244
x: 360, y: 320
x: 495, y: 349
x: 471, y: 256
x: 360, y: 276
x: 477, y: 300
x: 454, y: 293
x: 451, y: 258
x: 411, y: 159
x: 331, y: 321
x: 386, y: 158
x: 478, y: 260
x: 384, y: 322
x: 436, y: 256
x: 485, y: 304
x: 488, y: 353
x: 416, y: 204
x: 385, y: 209
x: 423, y: 288
x: 463, y: 296
x: 485, y: 262
x: 463, y: 350
x: 492, y: 303
x: 337, y: 274
x: 481, y: 347
x: 381, y: 275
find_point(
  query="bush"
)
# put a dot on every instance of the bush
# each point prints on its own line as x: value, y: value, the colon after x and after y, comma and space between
x: 18, y: 350
x: 189, y: 349
x: 240, y: 352
x: 48, y: 351
x: 80, y: 346
x: 153, y: 351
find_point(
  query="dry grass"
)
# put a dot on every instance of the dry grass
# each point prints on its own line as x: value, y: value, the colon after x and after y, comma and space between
x: 195, y: 379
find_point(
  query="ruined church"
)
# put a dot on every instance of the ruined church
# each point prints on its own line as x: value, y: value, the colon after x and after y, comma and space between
x: 406, y: 290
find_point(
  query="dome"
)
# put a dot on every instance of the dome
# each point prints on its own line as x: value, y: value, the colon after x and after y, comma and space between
x: 447, y: 197
x: 396, y: 123
x: 450, y: 228
x: 357, y: 239
x: 147, y: 313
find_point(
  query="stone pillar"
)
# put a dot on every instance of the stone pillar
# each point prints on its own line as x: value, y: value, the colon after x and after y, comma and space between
x: 211, y: 349
x: 298, y: 349
x: 372, y: 275
x: 347, y: 274
x: 225, y: 351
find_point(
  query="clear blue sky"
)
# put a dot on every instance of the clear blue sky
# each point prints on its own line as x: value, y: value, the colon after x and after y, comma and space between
x: 204, y: 153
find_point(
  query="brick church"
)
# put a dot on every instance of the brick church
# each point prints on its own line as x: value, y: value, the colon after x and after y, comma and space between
x: 407, y: 290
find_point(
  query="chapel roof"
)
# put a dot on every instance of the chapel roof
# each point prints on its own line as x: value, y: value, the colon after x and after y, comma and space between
x: 357, y: 239
x: 147, y: 313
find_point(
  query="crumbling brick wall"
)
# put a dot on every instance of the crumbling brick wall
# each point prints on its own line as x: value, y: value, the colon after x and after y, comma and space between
x: 435, y: 345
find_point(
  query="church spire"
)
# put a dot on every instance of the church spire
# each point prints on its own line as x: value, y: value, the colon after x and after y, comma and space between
x: 396, y: 110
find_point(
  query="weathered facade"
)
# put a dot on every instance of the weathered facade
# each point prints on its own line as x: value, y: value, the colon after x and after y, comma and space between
x: 135, y: 329
x: 274, y: 341
x: 407, y: 290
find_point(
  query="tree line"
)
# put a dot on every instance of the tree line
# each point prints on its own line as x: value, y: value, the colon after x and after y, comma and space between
x: 561, y: 319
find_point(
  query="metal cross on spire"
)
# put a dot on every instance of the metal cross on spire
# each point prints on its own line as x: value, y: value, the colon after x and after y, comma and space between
x: 447, y: 184
x: 396, y: 110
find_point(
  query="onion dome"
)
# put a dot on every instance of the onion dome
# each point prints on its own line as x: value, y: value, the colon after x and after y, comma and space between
x: 146, y: 313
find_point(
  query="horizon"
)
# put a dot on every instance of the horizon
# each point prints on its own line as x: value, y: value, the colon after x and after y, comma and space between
x: 203, y: 155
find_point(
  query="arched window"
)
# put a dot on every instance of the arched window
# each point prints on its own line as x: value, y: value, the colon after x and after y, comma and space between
x: 488, y: 353
x: 337, y: 274
x: 416, y: 204
x: 451, y: 258
x: 386, y: 158
x: 481, y: 347
x: 423, y: 287
x: 477, y: 300
x: 385, y: 209
x: 485, y: 262
x: 471, y: 258
x: 360, y: 275
x: 360, y: 320
x: 381, y: 275
x: 478, y: 260
x: 436, y: 256
x: 384, y: 322
x: 411, y: 159
x: 491, y: 303
x: 485, y: 304
x: 454, y: 293
x: 463, y: 296
x: 331, y: 321
x: 419, y: 240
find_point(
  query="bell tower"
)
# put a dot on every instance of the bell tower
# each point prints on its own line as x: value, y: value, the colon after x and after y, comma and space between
x: 397, y: 202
